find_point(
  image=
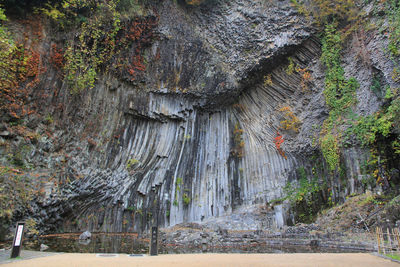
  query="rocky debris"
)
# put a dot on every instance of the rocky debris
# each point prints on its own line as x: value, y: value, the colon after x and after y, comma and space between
x: 301, y: 228
x: 252, y: 217
x: 391, y: 212
x: 6, y: 134
x: 301, y: 235
x: 43, y: 247
x: 84, y: 242
x: 360, y: 213
x: 214, y: 234
x: 85, y: 235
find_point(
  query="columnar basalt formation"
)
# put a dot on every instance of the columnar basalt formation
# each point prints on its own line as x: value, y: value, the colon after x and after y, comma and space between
x: 194, y: 135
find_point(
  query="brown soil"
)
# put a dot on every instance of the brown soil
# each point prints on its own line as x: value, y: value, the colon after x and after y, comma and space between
x: 344, y: 260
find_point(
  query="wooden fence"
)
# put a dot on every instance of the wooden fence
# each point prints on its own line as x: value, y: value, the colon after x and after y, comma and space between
x: 388, y: 240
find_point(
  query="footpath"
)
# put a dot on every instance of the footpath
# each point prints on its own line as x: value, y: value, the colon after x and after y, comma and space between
x: 44, y: 259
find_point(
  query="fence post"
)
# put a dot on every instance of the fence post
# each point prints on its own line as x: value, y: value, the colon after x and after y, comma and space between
x: 397, y: 235
x: 377, y: 240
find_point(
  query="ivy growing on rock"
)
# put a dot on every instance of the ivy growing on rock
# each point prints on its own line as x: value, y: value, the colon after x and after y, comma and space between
x: 94, y: 46
x: 339, y: 95
x: 304, y: 196
x: 101, y: 40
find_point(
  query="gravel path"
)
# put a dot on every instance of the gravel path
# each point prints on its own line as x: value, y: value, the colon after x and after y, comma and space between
x: 298, y: 259
x: 25, y: 255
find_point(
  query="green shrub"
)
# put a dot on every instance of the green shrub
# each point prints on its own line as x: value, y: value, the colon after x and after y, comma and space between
x: 186, y: 199
x: 304, y: 196
x: 131, y: 163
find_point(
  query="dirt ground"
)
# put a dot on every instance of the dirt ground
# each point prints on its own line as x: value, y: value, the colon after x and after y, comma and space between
x: 298, y: 259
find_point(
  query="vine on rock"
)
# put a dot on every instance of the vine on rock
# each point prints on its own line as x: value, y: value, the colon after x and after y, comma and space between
x: 339, y: 95
x: 237, y: 151
x: 20, y: 69
x: 138, y: 33
x: 57, y: 57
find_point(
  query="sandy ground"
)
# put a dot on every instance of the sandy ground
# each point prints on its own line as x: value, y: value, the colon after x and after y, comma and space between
x: 298, y: 259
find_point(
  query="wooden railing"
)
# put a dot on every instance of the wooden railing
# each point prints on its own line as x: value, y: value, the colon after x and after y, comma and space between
x: 388, y: 240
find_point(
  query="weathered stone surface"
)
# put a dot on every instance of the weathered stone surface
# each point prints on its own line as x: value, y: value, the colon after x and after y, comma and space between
x: 199, y: 127
x: 43, y: 247
x: 85, y: 235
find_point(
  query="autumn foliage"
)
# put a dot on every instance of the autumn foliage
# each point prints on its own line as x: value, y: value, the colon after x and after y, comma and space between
x: 290, y: 122
x: 278, y: 140
x: 57, y: 57
x: 20, y: 68
x: 140, y: 34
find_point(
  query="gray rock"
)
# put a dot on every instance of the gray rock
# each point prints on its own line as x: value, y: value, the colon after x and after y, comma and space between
x: 182, y: 130
x: 43, y: 247
x: 84, y: 242
x: 5, y: 133
x: 85, y: 235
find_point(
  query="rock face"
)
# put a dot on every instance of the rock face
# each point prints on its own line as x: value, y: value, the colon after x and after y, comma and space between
x: 194, y: 139
x: 191, y: 156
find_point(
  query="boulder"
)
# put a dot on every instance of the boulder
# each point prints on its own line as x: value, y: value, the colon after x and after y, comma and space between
x: 43, y: 247
x: 85, y: 235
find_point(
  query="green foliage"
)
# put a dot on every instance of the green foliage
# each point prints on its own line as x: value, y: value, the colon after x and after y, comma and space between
x: 326, y: 11
x: 291, y: 67
x: 382, y: 123
x: 290, y: 122
x: 303, y: 190
x: 31, y: 226
x: 129, y: 8
x: 339, y: 95
x: 101, y: 39
x: 139, y: 211
x: 94, y: 46
x: 367, y: 128
x: 131, y: 208
x: 376, y: 86
x: 389, y: 94
x: 330, y: 151
x: 238, y: 149
x: 178, y: 183
x: 53, y: 12
x: 49, y: 119
x: 371, y: 199
x: 268, y: 80
x: 339, y: 92
x: 16, y: 191
x: 186, y: 199
x: 304, y: 196
x: 6, y: 41
x: 131, y: 163
x: 301, y: 8
x: 2, y: 15
x: 393, y: 11
x: 16, y: 66
x: 393, y: 256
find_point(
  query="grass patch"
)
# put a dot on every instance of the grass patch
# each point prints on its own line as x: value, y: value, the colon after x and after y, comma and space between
x: 393, y: 256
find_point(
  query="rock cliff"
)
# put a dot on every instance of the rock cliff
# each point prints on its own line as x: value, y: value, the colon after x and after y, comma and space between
x: 196, y: 132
